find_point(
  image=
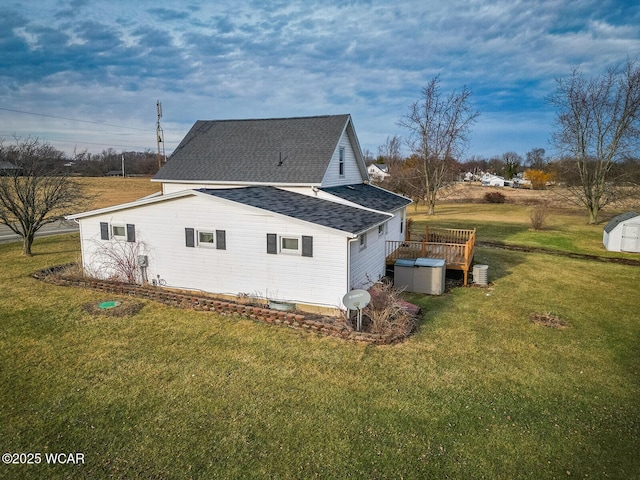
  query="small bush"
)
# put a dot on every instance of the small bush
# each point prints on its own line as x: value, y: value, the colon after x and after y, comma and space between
x: 387, y: 312
x: 494, y: 197
x: 539, y: 216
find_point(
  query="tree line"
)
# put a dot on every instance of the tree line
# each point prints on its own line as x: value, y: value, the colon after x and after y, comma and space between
x: 596, y: 135
x: 84, y: 163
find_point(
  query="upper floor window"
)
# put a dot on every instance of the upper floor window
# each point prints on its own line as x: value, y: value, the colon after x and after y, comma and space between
x: 341, y: 162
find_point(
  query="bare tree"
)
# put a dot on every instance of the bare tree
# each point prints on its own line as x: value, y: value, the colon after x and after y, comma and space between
x: 535, y: 159
x: 598, y: 123
x: 389, y: 153
x: 512, y: 162
x: 439, y: 128
x: 36, y: 191
x: 405, y: 178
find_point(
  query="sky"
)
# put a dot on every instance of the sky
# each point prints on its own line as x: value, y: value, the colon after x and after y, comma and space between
x: 86, y: 74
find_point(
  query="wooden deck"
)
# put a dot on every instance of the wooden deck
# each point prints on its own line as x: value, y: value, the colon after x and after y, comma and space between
x: 454, y: 246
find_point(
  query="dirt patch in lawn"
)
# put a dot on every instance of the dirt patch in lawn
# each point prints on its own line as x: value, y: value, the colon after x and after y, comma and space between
x: 548, y: 320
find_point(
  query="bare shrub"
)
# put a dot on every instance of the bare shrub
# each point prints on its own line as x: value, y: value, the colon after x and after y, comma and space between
x: 118, y: 261
x: 494, y: 197
x: 387, y: 311
x: 539, y: 216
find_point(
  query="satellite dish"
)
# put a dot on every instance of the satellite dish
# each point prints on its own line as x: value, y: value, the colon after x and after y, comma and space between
x: 356, y: 299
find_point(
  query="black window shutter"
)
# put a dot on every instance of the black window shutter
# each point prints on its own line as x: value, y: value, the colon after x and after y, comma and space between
x: 307, y: 246
x: 131, y: 232
x: 104, y: 231
x: 189, y: 235
x: 272, y: 243
x: 221, y: 239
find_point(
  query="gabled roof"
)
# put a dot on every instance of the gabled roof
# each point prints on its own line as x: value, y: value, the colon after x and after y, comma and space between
x: 615, y: 221
x: 8, y: 166
x: 303, y: 207
x: 369, y: 196
x: 260, y: 151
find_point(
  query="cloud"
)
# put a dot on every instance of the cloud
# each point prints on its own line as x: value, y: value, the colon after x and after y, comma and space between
x: 254, y: 58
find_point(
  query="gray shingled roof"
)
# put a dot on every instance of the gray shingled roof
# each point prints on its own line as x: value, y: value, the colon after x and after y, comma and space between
x: 369, y: 196
x: 303, y: 207
x: 251, y: 150
x: 615, y: 221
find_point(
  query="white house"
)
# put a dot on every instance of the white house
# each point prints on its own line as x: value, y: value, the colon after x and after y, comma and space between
x: 378, y: 171
x: 622, y: 233
x: 490, y: 180
x: 279, y: 209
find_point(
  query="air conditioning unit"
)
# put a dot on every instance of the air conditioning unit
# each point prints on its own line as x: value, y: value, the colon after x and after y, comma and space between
x: 481, y: 274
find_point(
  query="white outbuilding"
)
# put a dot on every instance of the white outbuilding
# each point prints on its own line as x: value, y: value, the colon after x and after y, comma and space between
x: 622, y: 233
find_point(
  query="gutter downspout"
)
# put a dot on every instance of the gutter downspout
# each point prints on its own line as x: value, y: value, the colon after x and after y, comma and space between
x: 349, y: 262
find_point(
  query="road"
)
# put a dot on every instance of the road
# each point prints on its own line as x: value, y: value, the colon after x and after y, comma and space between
x: 63, y: 226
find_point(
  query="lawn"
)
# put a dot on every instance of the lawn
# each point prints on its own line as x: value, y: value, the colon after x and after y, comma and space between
x: 567, y: 228
x: 478, y: 392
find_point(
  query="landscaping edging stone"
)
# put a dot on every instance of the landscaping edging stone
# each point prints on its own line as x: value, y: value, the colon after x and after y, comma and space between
x: 323, y: 325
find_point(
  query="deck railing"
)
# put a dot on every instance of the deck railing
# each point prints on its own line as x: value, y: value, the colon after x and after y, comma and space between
x: 453, y: 253
x: 454, y: 246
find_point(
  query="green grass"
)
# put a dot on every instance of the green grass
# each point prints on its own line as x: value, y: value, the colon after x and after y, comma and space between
x: 566, y: 231
x: 478, y: 392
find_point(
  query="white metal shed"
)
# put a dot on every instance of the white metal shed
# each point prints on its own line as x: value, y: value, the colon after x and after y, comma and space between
x: 622, y: 233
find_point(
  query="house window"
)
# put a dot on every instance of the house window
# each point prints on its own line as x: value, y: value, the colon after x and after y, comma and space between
x: 290, y: 245
x: 382, y: 229
x: 341, y: 162
x: 206, y: 238
x: 118, y: 231
x: 363, y: 241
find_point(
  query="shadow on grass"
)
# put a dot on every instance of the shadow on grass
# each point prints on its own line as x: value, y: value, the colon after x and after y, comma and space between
x: 501, y: 264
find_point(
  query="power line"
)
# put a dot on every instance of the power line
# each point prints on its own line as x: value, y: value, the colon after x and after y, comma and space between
x: 72, y: 119
x: 74, y: 142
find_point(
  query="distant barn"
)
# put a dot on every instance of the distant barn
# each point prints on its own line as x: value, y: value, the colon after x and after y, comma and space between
x: 622, y: 233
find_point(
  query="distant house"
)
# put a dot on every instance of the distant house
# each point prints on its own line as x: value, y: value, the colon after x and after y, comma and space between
x: 279, y: 209
x: 622, y: 233
x: 378, y: 171
x: 8, y: 168
x: 490, y: 180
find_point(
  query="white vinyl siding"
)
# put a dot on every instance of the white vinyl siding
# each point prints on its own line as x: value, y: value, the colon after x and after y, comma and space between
x: 367, y: 264
x: 245, y: 266
x: 351, y: 173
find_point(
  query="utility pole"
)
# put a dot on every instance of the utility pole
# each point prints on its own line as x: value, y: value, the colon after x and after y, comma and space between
x: 160, y: 136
